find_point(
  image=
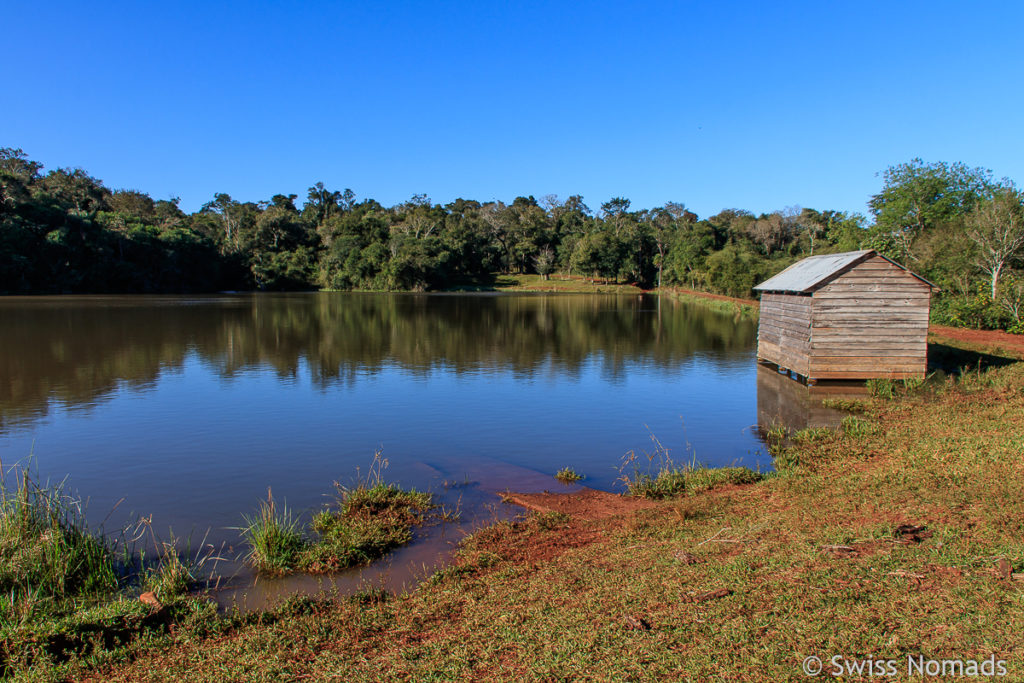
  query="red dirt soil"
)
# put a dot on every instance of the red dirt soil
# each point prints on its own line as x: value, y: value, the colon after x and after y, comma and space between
x: 584, y: 504
x: 993, y: 338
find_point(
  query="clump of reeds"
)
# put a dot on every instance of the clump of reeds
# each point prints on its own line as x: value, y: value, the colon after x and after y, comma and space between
x: 274, y: 537
x: 169, y: 577
x: 48, y: 554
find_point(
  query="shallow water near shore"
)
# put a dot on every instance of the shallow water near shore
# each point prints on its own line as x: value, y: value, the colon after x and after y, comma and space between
x: 187, y: 408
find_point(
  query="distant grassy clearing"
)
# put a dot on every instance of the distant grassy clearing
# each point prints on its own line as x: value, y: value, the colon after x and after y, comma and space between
x: 555, y: 283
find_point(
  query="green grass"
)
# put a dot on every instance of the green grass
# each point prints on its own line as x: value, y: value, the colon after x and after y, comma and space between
x: 50, y: 561
x: 369, y: 521
x: 847, y: 404
x: 67, y: 592
x: 857, y: 427
x: 882, y: 388
x: 274, y: 537
x: 743, y: 310
x: 568, y: 475
x: 555, y: 283
x: 671, y: 481
x: 170, y: 578
x: 809, y: 434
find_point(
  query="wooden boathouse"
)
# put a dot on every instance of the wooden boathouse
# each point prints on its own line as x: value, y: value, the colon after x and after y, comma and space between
x: 855, y: 315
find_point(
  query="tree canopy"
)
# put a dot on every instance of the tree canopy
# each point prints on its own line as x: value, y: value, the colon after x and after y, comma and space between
x: 64, y: 231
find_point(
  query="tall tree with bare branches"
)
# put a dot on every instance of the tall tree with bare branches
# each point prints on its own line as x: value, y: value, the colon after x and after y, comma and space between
x: 996, y: 226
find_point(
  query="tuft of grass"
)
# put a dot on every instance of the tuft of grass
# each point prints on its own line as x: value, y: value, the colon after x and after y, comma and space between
x: 50, y: 561
x: 369, y: 522
x: 372, y: 518
x: 811, y: 434
x: 369, y: 596
x: 786, y: 460
x: 912, y: 384
x: 856, y: 427
x: 568, y: 475
x: 170, y: 578
x: 689, y: 480
x: 664, y: 479
x: 882, y: 388
x: 847, y: 404
x: 891, y: 388
x: 276, y: 543
x: 775, y: 435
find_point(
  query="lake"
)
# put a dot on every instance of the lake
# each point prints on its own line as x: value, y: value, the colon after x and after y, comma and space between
x: 188, y: 408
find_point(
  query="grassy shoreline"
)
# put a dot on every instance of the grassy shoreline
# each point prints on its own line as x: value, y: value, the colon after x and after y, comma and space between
x: 906, y: 518
x: 900, y: 535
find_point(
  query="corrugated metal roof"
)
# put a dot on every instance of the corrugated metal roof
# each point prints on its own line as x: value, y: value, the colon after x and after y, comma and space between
x: 814, y: 271
x: 805, y: 275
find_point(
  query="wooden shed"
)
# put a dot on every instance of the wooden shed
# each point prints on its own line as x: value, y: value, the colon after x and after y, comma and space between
x: 855, y: 315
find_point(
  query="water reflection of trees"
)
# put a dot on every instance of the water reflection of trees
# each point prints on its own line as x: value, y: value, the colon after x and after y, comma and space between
x: 76, y: 351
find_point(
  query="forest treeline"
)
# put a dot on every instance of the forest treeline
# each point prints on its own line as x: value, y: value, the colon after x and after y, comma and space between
x: 63, y: 231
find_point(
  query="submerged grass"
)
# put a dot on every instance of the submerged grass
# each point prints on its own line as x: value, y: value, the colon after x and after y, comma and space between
x: 568, y: 475
x: 368, y: 520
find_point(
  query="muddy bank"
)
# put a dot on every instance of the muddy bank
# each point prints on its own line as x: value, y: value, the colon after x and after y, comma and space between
x: 586, y: 503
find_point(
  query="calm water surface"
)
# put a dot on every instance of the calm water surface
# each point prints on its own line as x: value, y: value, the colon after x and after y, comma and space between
x: 189, y: 408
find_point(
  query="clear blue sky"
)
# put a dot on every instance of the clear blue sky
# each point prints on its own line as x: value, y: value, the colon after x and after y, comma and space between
x: 755, y: 105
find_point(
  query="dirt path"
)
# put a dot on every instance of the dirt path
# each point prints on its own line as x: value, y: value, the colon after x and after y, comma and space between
x: 991, y: 338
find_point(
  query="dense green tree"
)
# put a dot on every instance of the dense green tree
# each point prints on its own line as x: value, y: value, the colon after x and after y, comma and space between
x: 687, y: 255
x: 919, y: 196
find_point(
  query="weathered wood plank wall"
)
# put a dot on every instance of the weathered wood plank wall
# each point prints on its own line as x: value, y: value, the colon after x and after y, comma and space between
x: 870, y: 322
x: 784, y: 331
